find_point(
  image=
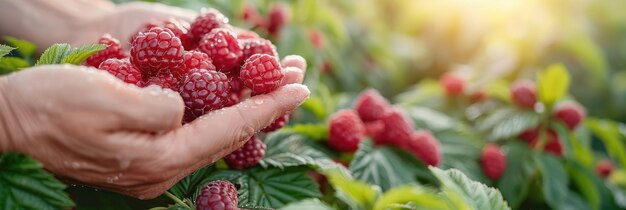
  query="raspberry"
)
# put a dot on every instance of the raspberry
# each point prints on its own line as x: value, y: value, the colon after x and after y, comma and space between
x: 316, y: 38
x: 452, y: 85
x: 232, y: 99
x: 246, y: 34
x: 223, y: 48
x: 604, y: 168
x: 530, y: 136
x: 113, y: 50
x: 345, y: 131
x: 570, y: 113
x: 277, y: 124
x: 371, y: 105
x: 493, y: 161
x: 163, y: 80
x: 553, y: 144
x: 257, y: 46
x: 524, y: 94
x: 193, y: 60
x: 425, y: 147
x: 374, y: 128
x: 261, y: 73
x: 248, y: 155
x: 236, y: 85
x: 122, y: 69
x: 397, y: 129
x: 202, y: 91
x: 278, y: 16
x: 218, y: 194
x: 156, y: 50
x: 252, y: 16
x: 177, y: 26
x: 207, y: 21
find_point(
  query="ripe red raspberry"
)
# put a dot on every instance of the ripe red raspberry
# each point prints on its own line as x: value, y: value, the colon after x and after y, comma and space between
x: 277, y: 124
x: 452, y: 85
x: 113, y: 50
x: 246, y: 34
x: 177, y: 26
x: 122, y: 69
x: 553, y: 144
x: 165, y: 80
x: 202, y: 91
x: 218, y: 194
x: 156, y: 51
x: 193, y: 60
x: 257, y: 46
x: 252, y: 16
x: 233, y: 98
x: 398, y: 129
x: 524, y: 94
x: 208, y: 20
x: 345, y: 131
x: 223, y: 48
x: 371, y: 105
x: 493, y: 161
x: 570, y: 113
x: 316, y: 38
x: 261, y: 73
x: 604, y: 168
x: 278, y: 16
x: 530, y: 135
x: 425, y: 147
x: 236, y: 85
x: 248, y: 155
x: 374, y: 128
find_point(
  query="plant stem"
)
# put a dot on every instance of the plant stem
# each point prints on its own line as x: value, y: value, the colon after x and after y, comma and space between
x: 176, y: 199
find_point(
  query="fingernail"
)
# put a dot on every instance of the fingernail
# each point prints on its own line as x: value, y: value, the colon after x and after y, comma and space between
x: 294, y: 61
x: 293, y: 95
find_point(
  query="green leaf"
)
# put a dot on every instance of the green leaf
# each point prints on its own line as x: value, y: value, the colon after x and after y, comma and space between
x: 11, y: 64
x: 475, y: 194
x: 554, y: 179
x: 590, y: 185
x: 80, y: 54
x: 419, y: 197
x: 553, y: 84
x: 431, y: 119
x: 24, y: 47
x: 618, y: 194
x: 515, y: 182
x: 507, y: 122
x: 54, y: 54
x: 5, y: 50
x: 386, y: 167
x: 188, y: 185
x: 275, y: 187
x: 609, y: 133
x: 287, y: 149
x: 316, y: 132
x: 307, y: 204
x: 362, y: 194
x: 573, y: 201
x: 25, y: 185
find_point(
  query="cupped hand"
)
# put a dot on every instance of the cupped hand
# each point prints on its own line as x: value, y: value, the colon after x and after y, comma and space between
x: 86, y: 125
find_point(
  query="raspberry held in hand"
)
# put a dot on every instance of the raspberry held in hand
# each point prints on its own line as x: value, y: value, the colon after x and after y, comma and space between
x: 261, y: 73
x: 371, y: 105
x: 493, y: 161
x: 524, y: 94
x: 179, y: 27
x: 165, y: 80
x: 570, y: 113
x: 193, y: 60
x: 113, y: 50
x: 217, y: 195
x: 208, y: 20
x: 425, y: 147
x: 257, y: 46
x: 156, y: 51
x: 277, y: 124
x: 345, y: 131
x: 122, y: 69
x: 222, y: 46
x: 202, y: 91
x: 248, y: 155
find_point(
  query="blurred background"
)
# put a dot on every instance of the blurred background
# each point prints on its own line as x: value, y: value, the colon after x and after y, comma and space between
x: 392, y: 45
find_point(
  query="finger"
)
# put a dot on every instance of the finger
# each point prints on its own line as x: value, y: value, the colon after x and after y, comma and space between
x: 294, y: 61
x: 225, y: 130
x: 292, y: 75
x: 151, y: 109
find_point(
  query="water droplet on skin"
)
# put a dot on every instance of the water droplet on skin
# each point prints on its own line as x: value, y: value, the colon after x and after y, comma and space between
x: 124, y: 163
x: 258, y: 101
x: 141, y: 197
x: 75, y: 165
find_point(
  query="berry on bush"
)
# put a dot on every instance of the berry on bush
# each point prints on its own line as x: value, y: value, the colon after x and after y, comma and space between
x: 345, y: 131
x: 530, y: 135
x: 277, y: 124
x: 218, y: 194
x: 493, y: 161
x: 165, y: 80
x: 261, y: 73
x: 425, y: 147
x: 222, y: 46
x: 452, y: 84
x: 374, y: 128
x: 248, y: 155
x: 524, y: 94
x: 208, y: 20
x: 398, y: 129
x: 553, y: 144
x: 156, y: 51
x: 604, y: 168
x: 122, y: 69
x: 570, y: 113
x: 113, y: 50
x: 371, y: 106
x: 278, y: 16
x: 202, y: 91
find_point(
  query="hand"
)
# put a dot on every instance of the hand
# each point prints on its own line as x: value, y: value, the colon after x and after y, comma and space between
x: 86, y: 125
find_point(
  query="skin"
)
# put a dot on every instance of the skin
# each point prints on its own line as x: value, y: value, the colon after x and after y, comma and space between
x: 89, y: 127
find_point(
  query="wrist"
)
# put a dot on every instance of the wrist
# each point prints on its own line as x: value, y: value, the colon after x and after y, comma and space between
x: 6, y: 117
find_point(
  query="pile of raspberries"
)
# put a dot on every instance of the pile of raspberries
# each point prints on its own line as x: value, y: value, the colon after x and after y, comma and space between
x: 211, y: 65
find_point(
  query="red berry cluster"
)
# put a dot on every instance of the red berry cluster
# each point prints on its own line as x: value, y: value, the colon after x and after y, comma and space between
x: 277, y: 16
x: 374, y: 116
x: 493, y: 161
x: 218, y: 194
x: 454, y: 85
